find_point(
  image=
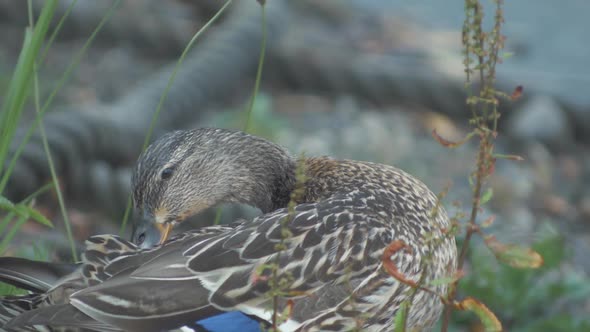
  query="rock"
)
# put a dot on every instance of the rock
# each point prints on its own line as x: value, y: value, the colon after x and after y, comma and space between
x: 580, y: 115
x: 556, y: 205
x: 296, y: 103
x: 513, y: 185
x: 580, y: 246
x: 541, y: 119
x: 584, y: 208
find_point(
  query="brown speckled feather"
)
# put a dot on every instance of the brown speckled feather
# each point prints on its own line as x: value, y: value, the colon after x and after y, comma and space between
x: 349, y: 213
x: 338, y: 236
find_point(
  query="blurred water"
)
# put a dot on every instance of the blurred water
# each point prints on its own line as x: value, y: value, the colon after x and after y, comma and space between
x: 550, y: 39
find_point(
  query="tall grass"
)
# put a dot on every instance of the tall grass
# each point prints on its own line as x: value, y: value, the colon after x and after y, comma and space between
x: 13, y: 107
x: 23, y: 81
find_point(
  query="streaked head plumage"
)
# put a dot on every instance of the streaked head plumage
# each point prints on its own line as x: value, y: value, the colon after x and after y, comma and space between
x: 187, y: 171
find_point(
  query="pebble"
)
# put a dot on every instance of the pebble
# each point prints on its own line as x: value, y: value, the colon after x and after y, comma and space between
x: 584, y: 208
x: 541, y: 119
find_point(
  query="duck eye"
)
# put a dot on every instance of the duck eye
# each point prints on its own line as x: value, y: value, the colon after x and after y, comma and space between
x: 140, y: 239
x: 166, y: 173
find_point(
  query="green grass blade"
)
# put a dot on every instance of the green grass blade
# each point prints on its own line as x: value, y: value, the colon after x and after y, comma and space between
x: 165, y: 95
x: 254, y: 93
x: 217, y: 219
x: 258, y: 71
x: 58, y: 86
x: 5, y: 221
x: 62, y: 206
x: 38, y: 192
x: 11, y: 233
x: 401, y: 318
x: 19, y: 86
x: 56, y: 31
x: 9, y: 117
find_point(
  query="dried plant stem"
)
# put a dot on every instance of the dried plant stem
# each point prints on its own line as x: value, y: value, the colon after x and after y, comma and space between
x: 477, y: 42
x: 481, y: 174
x: 472, y: 227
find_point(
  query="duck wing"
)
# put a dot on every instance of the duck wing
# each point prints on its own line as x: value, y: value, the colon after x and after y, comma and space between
x: 33, y: 276
x: 321, y: 243
x: 107, y: 257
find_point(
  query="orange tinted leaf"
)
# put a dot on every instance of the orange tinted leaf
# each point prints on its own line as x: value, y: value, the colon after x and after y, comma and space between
x: 508, y: 156
x: 488, y: 222
x: 441, y: 140
x: 388, y: 265
x: 450, y: 144
x: 288, y: 311
x: 517, y: 93
x: 486, y: 316
x: 513, y: 254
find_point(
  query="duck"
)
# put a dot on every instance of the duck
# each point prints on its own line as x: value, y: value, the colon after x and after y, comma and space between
x: 322, y: 250
x: 46, y: 307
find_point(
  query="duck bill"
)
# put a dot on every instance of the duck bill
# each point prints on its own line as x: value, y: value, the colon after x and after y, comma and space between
x: 164, y: 230
x: 147, y: 232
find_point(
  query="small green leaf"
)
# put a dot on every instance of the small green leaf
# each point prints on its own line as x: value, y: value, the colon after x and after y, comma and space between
x: 10, y: 207
x: 5, y: 203
x: 450, y: 144
x: 487, y: 196
x: 471, y: 183
x: 447, y: 280
x: 24, y: 211
x: 507, y: 55
x: 5, y: 221
x: 441, y: 281
x: 38, y: 217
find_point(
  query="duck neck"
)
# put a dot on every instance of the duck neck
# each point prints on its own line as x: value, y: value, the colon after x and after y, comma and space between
x: 319, y: 182
x: 268, y: 184
x: 274, y: 183
x: 281, y: 187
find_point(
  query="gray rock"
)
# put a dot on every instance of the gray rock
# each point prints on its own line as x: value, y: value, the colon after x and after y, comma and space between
x: 541, y: 119
x: 580, y: 115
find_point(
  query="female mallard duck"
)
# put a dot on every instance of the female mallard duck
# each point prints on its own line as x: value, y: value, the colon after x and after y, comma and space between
x: 332, y: 241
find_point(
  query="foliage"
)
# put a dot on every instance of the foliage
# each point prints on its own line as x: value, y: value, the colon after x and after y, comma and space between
x: 528, y: 300
x: 22, y: 83
x: 481, y: 51
x: 525, y: 288
x: 15, y: 98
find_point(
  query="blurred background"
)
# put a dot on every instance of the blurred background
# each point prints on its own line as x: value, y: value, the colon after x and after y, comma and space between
x: 360, y: 79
